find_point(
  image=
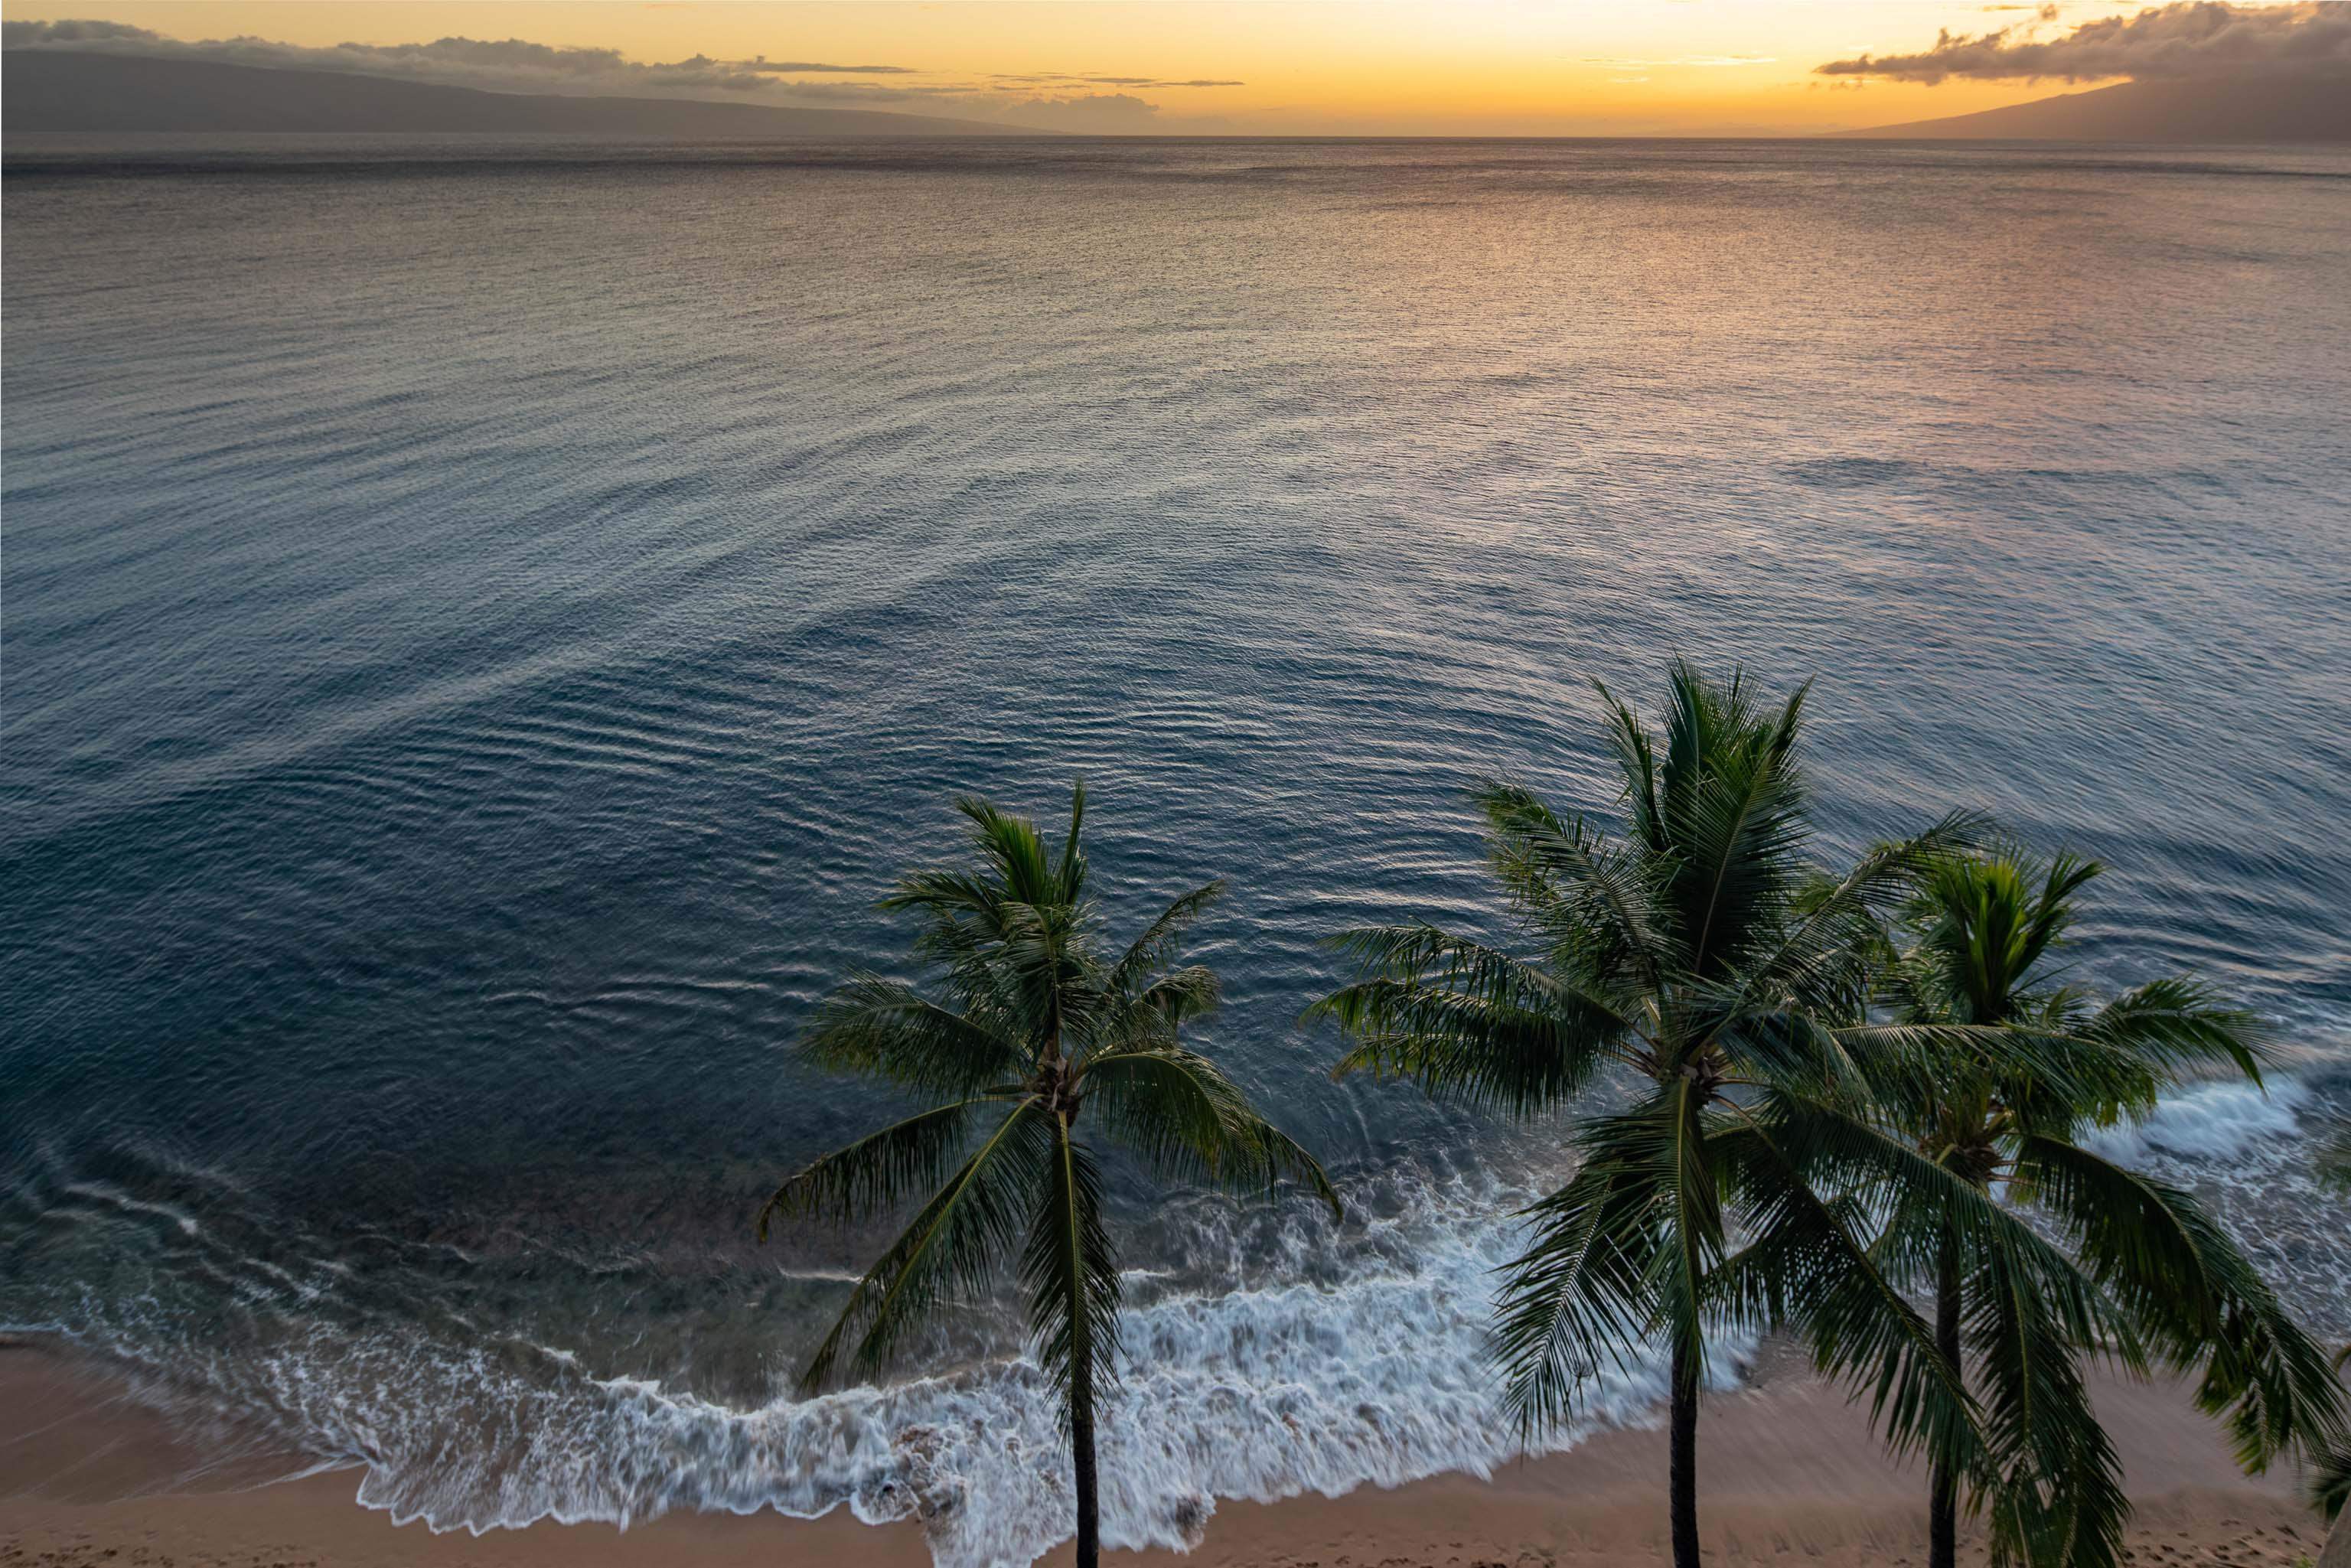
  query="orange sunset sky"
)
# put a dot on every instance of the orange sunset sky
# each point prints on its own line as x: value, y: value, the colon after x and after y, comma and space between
x: 1276, y: 67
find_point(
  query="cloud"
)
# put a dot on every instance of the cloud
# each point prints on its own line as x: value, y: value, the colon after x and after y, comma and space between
x: 2202, y: 37
x: 1043, y: 99
x: 804, y: 66
x: 510, y: 65
x: 871, y: 95
x: 1058, y: 79
x: 1101, y: 113
x: 1683, y: 60
x: 28, y: 35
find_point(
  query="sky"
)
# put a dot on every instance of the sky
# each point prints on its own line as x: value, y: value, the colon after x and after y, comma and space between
x: 1264, y: 66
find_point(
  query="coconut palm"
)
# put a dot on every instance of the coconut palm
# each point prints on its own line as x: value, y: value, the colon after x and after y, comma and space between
x: 1700, y: 962
x: 1035, y: 1026
x: 2144, y: 1274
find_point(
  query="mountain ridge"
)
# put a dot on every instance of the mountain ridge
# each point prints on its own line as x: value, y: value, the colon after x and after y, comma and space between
x: 2273, y: 107
x: 48, y: 90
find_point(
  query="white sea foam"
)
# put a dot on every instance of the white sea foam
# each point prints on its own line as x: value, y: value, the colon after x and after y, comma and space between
x: 1371, y: 1376
x: 1261, y: 1394
x: 2218, y: 1121
x: 1345, y: 1360
x: 2248, y: 1157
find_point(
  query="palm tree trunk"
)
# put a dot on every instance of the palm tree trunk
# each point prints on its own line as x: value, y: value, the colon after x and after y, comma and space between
x: 1681, y: 1475
x: 1082, y: 1391
x: 1081, y: 1450
x: 1943, y: 1504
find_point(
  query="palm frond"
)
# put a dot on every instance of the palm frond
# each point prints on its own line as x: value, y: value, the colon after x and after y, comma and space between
x: 1587, y: 1286
x: 888, y: 1030
x: 1182, y: 995
x: 956, y: 1242
x: 1463, y: 1049
x: 1468, y: 1021
x: 1983, y: 925
x: 1826, y: 957
x: 2328, y: 1484
x: 1594, y: 906
x: 1907, y: 1060
x: 1189, y: 1121
x: 956, y: 893
x: 2198, y: 1300
x: 1837, y: 1150
x: 1806, y: 1266
x: 1070, y: 1270
x: 1152, y: 952
x: 1636, y: 757
x: 2058, y: 1495
x: 2180, y: 1025
x: 1286, y: 1159
x: 1069, y: 875
x: 877, y: 1172
x: 1734, y: 813
x: 1046, y: 960
x: 1014, y: 848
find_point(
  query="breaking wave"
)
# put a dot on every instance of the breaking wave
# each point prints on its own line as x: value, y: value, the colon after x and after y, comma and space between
x: 1342, y: 1360
x: 2224, y: 1121
x: 1372, y: 1374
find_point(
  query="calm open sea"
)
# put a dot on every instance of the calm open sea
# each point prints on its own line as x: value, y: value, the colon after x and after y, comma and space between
x: 482, y: 625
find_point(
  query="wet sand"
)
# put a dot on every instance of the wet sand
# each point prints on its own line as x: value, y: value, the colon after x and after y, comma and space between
x: 1788, y: 1470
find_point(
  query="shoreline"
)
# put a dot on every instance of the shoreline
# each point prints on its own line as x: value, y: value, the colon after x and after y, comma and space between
x: 1787, y: 1470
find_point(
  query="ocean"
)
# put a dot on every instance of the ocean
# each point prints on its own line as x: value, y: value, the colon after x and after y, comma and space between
x: 483, y: 623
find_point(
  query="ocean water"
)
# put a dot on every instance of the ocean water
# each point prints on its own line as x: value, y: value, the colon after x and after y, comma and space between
x: 482, y: 623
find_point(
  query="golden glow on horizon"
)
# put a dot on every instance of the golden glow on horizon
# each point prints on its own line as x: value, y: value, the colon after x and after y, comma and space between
x: 1470, y: 68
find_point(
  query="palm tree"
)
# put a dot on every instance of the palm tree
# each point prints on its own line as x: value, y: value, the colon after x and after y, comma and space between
x: 1699, y: 961
x: 2144, y: 1272
x: 1036, y: 1024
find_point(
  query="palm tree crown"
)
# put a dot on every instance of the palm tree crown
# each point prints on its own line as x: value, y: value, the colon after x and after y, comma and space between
x: 2144, y: 1275
x: 1038, y: 1027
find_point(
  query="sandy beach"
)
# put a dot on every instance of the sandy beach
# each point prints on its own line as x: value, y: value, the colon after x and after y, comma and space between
x: 1789, y: 1472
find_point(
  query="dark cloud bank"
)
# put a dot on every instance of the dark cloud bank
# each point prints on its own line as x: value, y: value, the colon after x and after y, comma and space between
x: 2169, y: 42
